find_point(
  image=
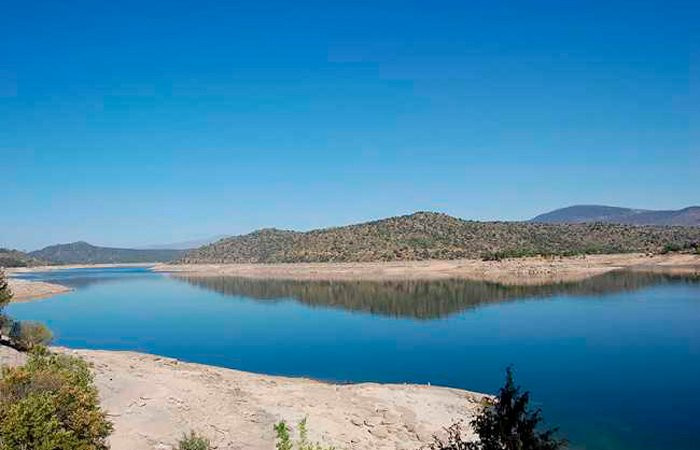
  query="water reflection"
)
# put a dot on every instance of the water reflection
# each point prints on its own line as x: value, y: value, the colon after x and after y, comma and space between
x: 421, y: 299
x: 83, y: 277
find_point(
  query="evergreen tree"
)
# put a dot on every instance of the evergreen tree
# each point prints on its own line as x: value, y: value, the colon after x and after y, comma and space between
x: 509, y: 424
x: 505, y: 424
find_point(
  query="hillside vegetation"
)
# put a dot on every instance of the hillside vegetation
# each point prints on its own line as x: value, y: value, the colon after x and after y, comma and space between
x: 427, y: 235
x: 15, y: 258
x: 84, y: 253
x: 611, y: 214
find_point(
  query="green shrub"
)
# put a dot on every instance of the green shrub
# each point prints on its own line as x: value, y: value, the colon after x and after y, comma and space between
x: 284, y: 439
x: 51, y: 403
x: 193, y: 441
x: 27, y: 335
x: 5, y: 291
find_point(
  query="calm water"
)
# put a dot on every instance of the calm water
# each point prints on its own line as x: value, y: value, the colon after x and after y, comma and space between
x: 614, y: 361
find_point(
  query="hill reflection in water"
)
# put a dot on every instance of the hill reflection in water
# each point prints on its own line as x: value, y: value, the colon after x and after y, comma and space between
x: 420, y: 299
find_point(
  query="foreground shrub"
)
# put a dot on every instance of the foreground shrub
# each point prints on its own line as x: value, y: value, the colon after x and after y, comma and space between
x: 27, y: 335
x: 505, y: 424
x: 51, y: 403
x: 284, y: 439
x: 5, y: 291
x: 193, y: 441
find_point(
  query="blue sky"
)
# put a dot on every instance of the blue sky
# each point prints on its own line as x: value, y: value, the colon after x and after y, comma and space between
x: 135, y: 123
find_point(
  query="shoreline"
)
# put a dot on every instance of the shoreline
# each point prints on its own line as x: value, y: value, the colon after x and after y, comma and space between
x: 11, y: 270
x: 515, y: 271
x: 29, y: 290
x: 528, y: 271
x: 152, y: 400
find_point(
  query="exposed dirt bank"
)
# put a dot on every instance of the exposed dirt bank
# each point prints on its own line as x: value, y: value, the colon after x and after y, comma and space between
x: 153, y: 400
x: 25, y: 290
x: 524, y: 271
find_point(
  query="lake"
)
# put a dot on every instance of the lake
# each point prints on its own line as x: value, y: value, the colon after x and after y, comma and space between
x: 613, y: 360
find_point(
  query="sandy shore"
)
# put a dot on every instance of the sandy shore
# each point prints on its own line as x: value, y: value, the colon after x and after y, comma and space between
x: 524, y: 271
x: 153, y: 400
x: 25, y: 290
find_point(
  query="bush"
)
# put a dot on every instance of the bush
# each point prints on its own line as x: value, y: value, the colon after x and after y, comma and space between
x: 51, y: 403
x: 28, y: 335
x: 5, y: 291
x: 507, y: 423
x: 193, y: 441
x: 284, y: 439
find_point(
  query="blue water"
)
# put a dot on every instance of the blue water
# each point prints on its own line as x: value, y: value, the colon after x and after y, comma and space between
x: 614, y: 361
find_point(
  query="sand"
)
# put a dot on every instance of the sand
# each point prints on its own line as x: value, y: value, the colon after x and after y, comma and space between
x: 522, y: 271
x: 152, y: 400
x: 25, y: 290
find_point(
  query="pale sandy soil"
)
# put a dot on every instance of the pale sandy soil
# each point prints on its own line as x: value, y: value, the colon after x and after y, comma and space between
x: 153, y: 400
x: 25, y: 290
x: 535, y: 270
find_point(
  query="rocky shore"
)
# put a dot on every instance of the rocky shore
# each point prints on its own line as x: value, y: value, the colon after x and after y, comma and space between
x: 153, y: 400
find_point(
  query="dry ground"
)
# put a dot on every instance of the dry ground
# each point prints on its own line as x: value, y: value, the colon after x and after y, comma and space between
x: 153, y: 400
x: 525, y: 271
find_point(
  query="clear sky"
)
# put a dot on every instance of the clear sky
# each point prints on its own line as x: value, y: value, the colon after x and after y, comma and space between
x: 132, y: 123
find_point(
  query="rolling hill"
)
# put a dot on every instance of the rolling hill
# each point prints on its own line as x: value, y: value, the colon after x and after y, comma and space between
x: 428, y: 235
x: 610, y: 214
x: 84, y: 253
x: 16, y: 258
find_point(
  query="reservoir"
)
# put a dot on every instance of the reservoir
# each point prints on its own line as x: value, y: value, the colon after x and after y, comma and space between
x: 614, y: 360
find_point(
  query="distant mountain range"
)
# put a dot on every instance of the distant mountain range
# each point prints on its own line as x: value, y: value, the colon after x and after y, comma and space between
x: 610, y: 214
x: 84, y: 253
x: 429, y: 235
x: 582, y: 229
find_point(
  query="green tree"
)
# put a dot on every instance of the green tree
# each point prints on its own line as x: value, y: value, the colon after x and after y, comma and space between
x: 510, y: 424
x: 506, y: 423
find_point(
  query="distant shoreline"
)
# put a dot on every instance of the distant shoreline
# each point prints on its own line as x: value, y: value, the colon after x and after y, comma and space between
x: 515, y: 271
x: 28, y: 290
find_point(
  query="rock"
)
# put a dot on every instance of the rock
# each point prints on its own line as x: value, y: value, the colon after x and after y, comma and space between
x: 379, y: 431
x: 373, y: 421
x: 10, y: 357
